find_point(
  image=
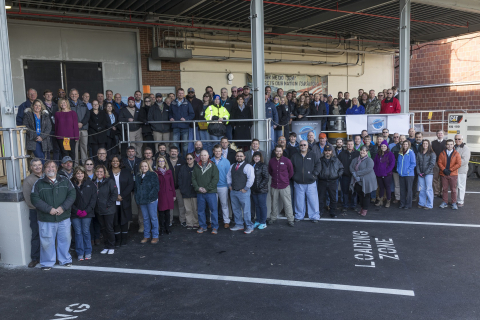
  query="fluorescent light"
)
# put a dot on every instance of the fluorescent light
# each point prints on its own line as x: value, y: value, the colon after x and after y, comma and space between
x: 8, y: 5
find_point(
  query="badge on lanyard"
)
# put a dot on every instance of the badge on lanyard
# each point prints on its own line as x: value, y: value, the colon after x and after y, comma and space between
x: 66, y: 144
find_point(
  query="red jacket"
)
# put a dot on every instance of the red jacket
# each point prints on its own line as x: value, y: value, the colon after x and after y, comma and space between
x: 167, y: 191
x: 392, y: 106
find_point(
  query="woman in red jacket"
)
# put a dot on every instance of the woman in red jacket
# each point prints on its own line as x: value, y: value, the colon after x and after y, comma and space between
x: 166, y: 194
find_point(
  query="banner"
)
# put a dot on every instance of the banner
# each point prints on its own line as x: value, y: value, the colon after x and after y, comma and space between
x: 299, y: 83
x: 374, y: 124
x: 302, y: 128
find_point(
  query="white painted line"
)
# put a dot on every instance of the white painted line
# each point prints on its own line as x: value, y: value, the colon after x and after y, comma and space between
x: 401, y: 222
x: 471, y: 191
x: 303, y: 284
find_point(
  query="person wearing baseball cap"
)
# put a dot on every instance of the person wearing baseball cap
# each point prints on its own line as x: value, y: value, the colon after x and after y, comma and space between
x: 319, y: 148
x: 330, y: 171
x: 67, y: 167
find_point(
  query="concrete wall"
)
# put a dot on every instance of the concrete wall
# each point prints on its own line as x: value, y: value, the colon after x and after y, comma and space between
x: 117, y: 49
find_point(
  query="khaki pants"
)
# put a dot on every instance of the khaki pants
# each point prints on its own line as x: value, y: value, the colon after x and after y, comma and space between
x: 137, y: 136
x: 437, y: 182
x: 181, y: 207
x: 396, y: 182
x: 461, y: 186
x: 191, y: 214
x: 82, y: 146
x: 283, y: 196
x: 160, y: 136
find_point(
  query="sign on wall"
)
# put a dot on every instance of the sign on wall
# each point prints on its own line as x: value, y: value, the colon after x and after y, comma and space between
x: 302, y: 128
x: 299, y: 83
x: 374, y: 124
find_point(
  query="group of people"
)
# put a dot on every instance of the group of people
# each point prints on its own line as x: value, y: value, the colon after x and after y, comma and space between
x: 77, y: 126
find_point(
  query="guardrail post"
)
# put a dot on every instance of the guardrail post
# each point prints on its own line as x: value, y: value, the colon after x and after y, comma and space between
x: 22, y: 153
x: 12, y: 159
x: 128, y: 133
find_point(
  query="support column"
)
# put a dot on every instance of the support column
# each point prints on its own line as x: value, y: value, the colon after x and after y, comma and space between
x: 258, y: 69
x: 404, y: 49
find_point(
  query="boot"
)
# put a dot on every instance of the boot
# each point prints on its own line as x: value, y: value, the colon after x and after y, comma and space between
x: 124, y: 239
x: 363, y: 213
x: 379, y: 203
x: 117, y: 240
x: 387, y: 205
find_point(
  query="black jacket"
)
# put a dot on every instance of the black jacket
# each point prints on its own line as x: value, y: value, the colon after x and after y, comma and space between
x: 321, y: 111
x: 304, y: 112
x: 373, y: 150
x: 143, y: 117
x: 396, y: 151
x: 305, y: 169
x: 197, y: 106
x: 107, y: 195
x: 155, y: 114
x: 346, y: 158
x: 345, y: 105
x: 98, y: 123
x: 126, y: 188
x: 180, y: 162
x: 85, y: 200
x: 260, y: 185
x: 283, y: 112
x: 51, y: 113
x: 331, y: 169
x: 231, y: 155
x: 133, y: 170
x: 124, y: 115
x: 185, y: 181
x: 112, y: 133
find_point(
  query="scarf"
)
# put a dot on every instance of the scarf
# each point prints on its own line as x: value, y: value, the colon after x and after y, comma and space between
x: 359, y: 160
x: 162, y: 170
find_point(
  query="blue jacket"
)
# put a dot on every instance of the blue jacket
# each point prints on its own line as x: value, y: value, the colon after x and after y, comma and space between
x: 356, y: 110
x: 406, y: 164
x: 21, y: 112
x: 223, y: 168
x: 184, y: 110
x: 271, y: 112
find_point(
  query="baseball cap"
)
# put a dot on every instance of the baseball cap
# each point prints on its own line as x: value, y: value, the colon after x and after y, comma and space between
x: 158, y: 95
x: 190, y: 90
x: 66, y: 159
x: 327, y: 148
x: 322, y: 135
x: 131, y: 98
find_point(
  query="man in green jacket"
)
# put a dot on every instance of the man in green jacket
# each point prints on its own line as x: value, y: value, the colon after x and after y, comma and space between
x: 53, y: 196
x: 205, y: 178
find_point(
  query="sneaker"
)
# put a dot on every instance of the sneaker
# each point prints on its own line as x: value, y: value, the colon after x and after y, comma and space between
x: 214, y: 231
x: 189, y: 228
x: 46, y: 268
x: 226, y: 225
x: 454, y: 206
x: 201, y: 230
x: 80, y: 258
x: 170, y: 224
x: 443, y: 205
x: 88, y: 257
x: 104, y: 251
x: 184, y: 224
x: 256, y: 224
x: 297, y: 220
x: 262, y: 226
x: 248, y: 231
x: 271, y: 221
x: 315, y: 221
x: 291, y: 224
x: 111, y: 251
x: 237, y: 228
x: 67, y: 264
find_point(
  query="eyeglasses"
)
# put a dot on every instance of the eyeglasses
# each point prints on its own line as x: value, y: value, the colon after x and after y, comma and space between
x: 303, y: 145
x: 102, y: 154
x: 384, y: 131
x: 458, y: 139
x: 89, y: 164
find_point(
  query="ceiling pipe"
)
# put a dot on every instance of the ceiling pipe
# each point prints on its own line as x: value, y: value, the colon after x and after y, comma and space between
x: 326, y: 63
x: 359, y: 13
x: 134, y: 22
x: 213, y: 41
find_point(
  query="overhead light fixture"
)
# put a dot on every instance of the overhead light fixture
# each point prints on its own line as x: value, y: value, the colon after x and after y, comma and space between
x: 8, y: 5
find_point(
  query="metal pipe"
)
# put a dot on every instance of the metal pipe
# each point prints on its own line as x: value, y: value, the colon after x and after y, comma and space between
x: 22, y: 153
x: 453, y: 84
x: 123, y: 132
x: 224, y: 58
x: 12, y: 159
x: 128, y: 133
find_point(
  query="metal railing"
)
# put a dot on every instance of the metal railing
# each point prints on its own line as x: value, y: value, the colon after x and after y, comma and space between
x: 19, y: 155
x: 443, y: 116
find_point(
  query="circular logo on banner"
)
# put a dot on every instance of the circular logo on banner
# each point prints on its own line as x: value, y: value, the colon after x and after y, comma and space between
x: 378, y: 124
x: 304, y: 132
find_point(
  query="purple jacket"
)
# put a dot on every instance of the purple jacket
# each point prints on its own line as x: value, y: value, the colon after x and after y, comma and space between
x: 383, y: 165
x: 281, y: 172
x: 166, y: 192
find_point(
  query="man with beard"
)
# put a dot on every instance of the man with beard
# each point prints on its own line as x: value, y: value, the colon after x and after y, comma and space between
x: 198, y: 150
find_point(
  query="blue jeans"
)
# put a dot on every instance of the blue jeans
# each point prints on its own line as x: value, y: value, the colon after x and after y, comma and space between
x: 260, y: 201
x: 202, y: 200
x: 204, y: 135
x: 83, y: 241
x: 181, y: 134
x: 216, y: 138
x: 150, y: 220
x: 309, y: 191
x: 241, y: 208
x: 38, y: 153
x: 49, y: 231
x: 426, y: 191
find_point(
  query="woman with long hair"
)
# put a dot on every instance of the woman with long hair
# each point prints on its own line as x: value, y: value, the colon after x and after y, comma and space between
x: 384, y: 163
x: 114, y: 132
x: 335, y: 109
x: 260, y: 190
x: 363, y: 179
x: 98, y: 122
x: 83, y: 210
x: 146, y: 196
x: 123, y: 214
x: 241, y: 129
x: 406, y: 163
x: 37, y: 120
x: 166, y: 194
x: 355, y: 108
x: 426, y: 160
x: 105, y: 206
x: 302, y: 110
x: 66, y: 128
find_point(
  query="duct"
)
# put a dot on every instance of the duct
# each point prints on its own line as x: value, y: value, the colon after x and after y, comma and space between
x: 223, y: 58
x: 213, y: 41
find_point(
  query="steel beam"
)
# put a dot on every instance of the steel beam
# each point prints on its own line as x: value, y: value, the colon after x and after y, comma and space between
x: 404, y: 52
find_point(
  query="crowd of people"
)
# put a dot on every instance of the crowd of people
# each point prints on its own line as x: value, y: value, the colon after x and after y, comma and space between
x: 226, y: 184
